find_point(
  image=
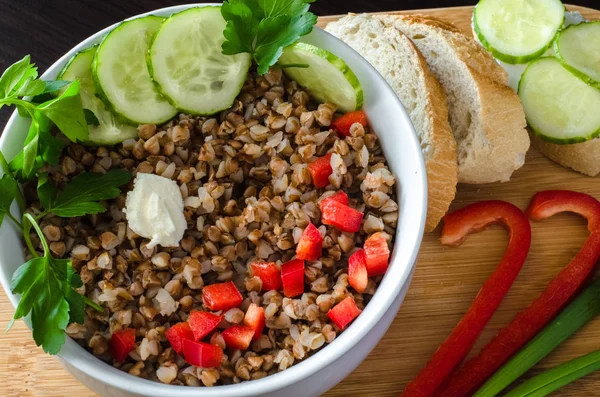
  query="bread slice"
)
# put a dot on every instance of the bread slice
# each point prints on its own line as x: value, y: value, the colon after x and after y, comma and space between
x: 398, y: 60
x: 485, y: 114
x: 582, y: 157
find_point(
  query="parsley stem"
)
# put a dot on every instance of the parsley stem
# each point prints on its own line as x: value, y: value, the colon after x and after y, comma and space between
x: 4, y: 163
x: 92, y: 304
x: 32, y: 222
x: 5, y: 167
x: 30, y: 107
x: 27, y: 237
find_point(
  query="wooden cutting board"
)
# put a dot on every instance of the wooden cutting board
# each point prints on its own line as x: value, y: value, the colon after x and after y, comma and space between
x: 445, y: 283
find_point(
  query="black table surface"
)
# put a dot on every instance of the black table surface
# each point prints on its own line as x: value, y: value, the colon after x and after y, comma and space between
x: 46, y: 29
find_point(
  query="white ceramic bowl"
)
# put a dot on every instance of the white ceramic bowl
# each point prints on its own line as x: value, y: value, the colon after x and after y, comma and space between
x: 329, y: 366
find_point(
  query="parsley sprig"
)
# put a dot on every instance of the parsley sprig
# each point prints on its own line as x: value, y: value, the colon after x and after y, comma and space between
x: 48, y: 285
x: 20, y: 81
x: 263, y: 28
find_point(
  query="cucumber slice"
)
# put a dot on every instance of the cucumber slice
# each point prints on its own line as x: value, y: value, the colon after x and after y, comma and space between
x: 578, y: 48
x: 560, y: 107
x: 188, y: 66
x: 517, y: 31
x: 110, y: 129
x: 327, y: 78
x: 121, y: 74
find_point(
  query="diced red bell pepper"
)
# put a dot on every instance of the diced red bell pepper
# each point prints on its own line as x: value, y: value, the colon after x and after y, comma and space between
x: 341, y: 216
x: 203, y: 323
x: 269, y: 274
x: 377, y: 254
x: 310, y: 244
x: 292, y: 275
x: 320, y: 169
x: 357, y: 271
x: 255, y: 319
x: 177, y: 334
x: 200, y: 354
x: 542, y: 310
x: 458, y: 225
x: 339, y: 196
x: 344, y: 312
x: 238, y: 337
x: 342, y: 124
x: 223, y: 296
x: 122, y: 343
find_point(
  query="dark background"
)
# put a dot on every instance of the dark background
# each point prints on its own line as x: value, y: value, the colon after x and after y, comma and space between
x: 46, y: 29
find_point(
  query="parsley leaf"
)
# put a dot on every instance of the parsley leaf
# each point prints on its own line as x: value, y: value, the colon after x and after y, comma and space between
x: 40, y: 148
x: 46, y: 287
x: 31, y: 87
x: 66, y: 112
x: 264, y: 27
x: 8, y: 192
x: 80, y: 197
x: 241, y: 27
x: 20, y: 81
x: 46, y: 191
x: 55, y: 85
x: 274, y: 8
x: 74, y: 299
x: 15, y: 76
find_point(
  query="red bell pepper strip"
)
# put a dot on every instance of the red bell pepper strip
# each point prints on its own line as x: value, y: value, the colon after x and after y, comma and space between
x: 342, y: 124
x: 458, y: 225
x: 269, y: 274
x: 202, y: 354
x: 377, y: 254
x: 177, y: 334
x: 203, y: 323
x: 344, y: 312
x: 540, y: 312
x: 320, y: 169
x: 292, y: 275
x: 122, y: 343
x: 357, y: 271
x: 223, y: 296
x: 341, y: 216
x: 238, y: 337
x: 255, y: 319
x: 310, y: 244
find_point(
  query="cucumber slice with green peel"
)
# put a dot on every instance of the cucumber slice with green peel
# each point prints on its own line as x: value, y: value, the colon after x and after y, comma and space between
x: 110, y: 130
x: 187, y: 64
x: 578, y: 48
x: 327, y: 77
x: 121, y: 75
x: 517, y: 31
x: 559, y: 107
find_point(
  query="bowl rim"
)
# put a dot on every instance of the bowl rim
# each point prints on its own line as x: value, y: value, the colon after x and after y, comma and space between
x: 390, y: 287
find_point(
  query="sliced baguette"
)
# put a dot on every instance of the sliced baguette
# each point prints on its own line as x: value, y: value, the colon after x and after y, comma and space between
x: 581, y: 157
x: 485, y: 114
x: 397, y: 59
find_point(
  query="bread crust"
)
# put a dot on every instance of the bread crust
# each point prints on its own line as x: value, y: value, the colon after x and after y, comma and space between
x: 442, y: 165
x: 440, y: 152
x: 503, y: 125
x: 581, y: 157
x: 497, y: 141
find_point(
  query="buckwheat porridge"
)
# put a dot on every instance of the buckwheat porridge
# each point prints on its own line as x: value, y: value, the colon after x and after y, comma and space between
x: 279, y: 203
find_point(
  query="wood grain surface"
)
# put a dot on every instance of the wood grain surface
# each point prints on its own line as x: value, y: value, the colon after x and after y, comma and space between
x: 445, y: 283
